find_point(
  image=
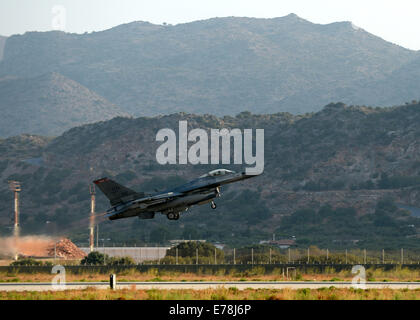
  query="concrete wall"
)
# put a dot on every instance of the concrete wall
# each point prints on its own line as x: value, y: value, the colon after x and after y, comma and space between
x: 139, y: 254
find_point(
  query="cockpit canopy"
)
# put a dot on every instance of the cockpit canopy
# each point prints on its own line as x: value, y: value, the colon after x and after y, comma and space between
x: 217, y: 172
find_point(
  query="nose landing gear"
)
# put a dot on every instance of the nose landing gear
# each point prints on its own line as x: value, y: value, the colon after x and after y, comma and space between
x: 213, y: 205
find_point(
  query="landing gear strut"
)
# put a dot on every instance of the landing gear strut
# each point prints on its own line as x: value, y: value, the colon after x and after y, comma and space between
x: 213, y: 205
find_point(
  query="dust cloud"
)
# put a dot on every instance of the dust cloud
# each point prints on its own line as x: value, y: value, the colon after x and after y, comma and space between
x: 26, y: 245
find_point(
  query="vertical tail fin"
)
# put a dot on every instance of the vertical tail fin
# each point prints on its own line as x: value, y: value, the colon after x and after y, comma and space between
x: 115, y: 192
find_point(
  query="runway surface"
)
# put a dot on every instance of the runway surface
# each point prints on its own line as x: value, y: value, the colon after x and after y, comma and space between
x: 45, y: 286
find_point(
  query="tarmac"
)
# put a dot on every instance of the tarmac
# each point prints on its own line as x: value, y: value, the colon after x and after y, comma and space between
x: 199, y: 285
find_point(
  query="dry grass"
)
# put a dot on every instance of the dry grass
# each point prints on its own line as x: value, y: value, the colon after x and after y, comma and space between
x: 217, y: 294
x: 155, y: 275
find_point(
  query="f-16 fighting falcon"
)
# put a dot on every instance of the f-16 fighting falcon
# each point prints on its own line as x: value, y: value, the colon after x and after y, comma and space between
x: 129, y: 203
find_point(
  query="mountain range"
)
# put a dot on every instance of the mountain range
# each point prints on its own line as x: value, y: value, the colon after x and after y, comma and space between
x: 2, y: 43
x: 49, y: 104
x: 220, y: 66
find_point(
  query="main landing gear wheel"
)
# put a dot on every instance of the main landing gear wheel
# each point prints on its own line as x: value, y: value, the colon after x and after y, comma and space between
x: 213, y: 205
x: 173, y: 216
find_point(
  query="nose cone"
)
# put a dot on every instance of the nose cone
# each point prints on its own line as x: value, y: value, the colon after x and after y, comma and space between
x: 235, y: 177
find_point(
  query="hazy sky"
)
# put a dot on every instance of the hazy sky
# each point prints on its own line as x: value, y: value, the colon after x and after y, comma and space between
x: 395, y: 21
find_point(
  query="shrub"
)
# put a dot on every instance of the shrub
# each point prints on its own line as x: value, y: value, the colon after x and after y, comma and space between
x: 118, y: 261
x: 95, y: 258
x: 26, y: 262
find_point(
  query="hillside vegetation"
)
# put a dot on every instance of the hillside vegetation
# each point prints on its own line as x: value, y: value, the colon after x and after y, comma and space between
x: 332, y: 178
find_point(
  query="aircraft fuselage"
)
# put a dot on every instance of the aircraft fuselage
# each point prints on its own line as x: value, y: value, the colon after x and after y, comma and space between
x: 172, y: 201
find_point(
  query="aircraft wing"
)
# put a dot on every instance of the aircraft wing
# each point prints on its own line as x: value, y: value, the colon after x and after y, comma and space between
x: 159, y: 198
x: 145, y: 202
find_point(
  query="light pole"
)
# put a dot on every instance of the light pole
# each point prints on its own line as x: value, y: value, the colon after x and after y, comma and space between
x: 16, y: 188
x: 92, y: 217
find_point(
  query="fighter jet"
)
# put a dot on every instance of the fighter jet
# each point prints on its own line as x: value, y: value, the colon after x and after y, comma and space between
x: 127, y: 203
